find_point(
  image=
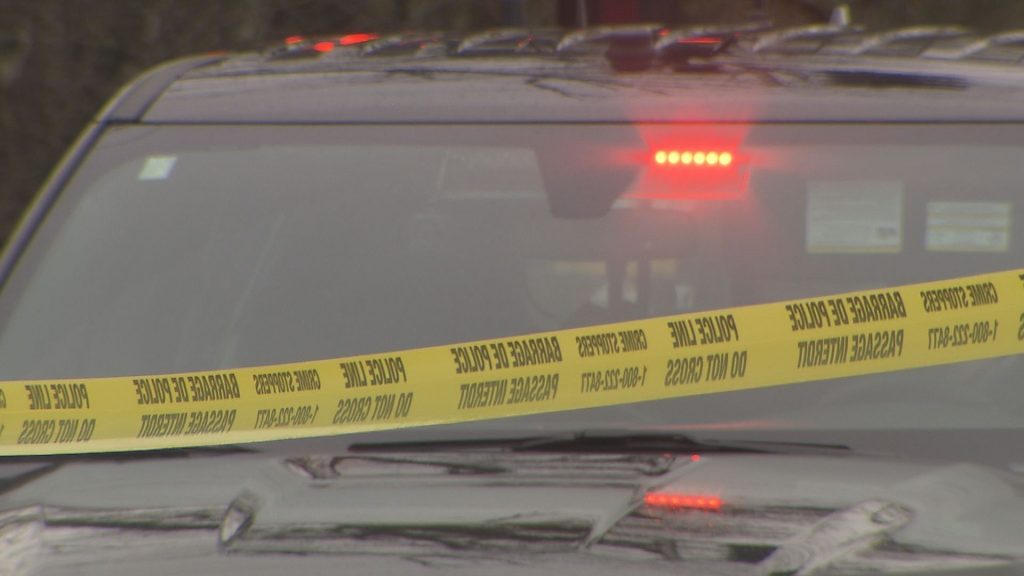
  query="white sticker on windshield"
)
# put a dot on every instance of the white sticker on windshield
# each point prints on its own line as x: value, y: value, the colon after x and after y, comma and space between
x: 854, y: 216
x: 968, y: 227
x: 157, y: 167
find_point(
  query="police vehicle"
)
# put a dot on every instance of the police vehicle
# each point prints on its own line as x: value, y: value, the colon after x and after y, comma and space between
x: 523, y: 201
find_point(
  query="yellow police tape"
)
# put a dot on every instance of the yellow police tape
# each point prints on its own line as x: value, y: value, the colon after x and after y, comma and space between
x: 740, y: 348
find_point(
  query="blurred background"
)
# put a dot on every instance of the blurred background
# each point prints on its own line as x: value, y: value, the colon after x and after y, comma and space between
x: 60, y: 60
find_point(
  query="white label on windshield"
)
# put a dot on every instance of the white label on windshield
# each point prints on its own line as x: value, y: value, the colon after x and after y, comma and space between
x: 854, y: 216
x: 157, y: 167
x: 968, y: 227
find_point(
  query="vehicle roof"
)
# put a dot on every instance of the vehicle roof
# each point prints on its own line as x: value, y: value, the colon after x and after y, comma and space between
x: 348, y: 86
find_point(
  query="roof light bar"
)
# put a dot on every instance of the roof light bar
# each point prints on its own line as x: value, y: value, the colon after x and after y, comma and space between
x: 354, y: 39
x: 300, y: 46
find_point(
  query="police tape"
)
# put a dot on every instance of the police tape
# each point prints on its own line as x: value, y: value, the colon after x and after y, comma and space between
x: 748, y: 347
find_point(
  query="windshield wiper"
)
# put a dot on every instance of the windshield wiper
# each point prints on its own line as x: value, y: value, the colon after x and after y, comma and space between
x: 131, y: 456
x: 606, y: 442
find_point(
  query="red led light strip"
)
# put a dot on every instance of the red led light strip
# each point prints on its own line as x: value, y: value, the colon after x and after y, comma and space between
x: 693, y: 157
x: 677, y: 500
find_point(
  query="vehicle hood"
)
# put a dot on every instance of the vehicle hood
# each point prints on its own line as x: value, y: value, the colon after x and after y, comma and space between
x: 510, y: 513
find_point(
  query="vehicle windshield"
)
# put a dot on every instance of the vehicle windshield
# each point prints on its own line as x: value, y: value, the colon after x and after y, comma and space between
x: 196, y: 248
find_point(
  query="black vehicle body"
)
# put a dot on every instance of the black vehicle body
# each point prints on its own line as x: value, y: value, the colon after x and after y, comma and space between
x: 918, y: 500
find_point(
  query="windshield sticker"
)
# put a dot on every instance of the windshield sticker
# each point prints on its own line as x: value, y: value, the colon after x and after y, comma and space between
x: 708, y: 352
x: 853, y: 217
x: 968, y: 226
x: 157, y: 167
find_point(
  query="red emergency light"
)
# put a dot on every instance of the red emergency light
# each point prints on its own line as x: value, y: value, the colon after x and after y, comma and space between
x: 354, y: 39
x: 677, y: 500
x: 698, y: 173
x: 708, y: 158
